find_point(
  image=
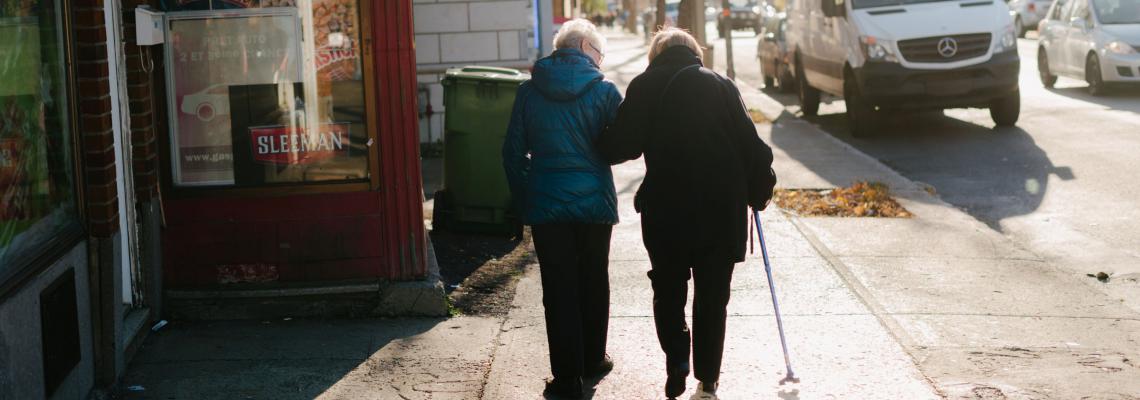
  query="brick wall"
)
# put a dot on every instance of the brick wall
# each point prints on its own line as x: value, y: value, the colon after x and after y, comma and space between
x: 95, y: 126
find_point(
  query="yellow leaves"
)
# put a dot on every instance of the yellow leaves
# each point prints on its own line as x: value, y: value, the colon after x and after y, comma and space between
x: 862, y: 199
x: 757, y: 116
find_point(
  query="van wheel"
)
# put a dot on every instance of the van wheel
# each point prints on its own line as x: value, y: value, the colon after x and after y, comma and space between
x: 785, y: 81
x: 860, y: 113
x: 809, y: 96
x: 1006, y: 110
x: 1047, y: 78
x: 1093, y: 76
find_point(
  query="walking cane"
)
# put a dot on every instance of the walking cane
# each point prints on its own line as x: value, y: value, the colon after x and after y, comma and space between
x: 791, y: 376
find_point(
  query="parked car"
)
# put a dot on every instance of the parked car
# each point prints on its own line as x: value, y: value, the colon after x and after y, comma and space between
x: 882, y: 56
x: 1097, y: 41
x: 744, y: 14
x: 772, y: 50
x: 1027, y: 14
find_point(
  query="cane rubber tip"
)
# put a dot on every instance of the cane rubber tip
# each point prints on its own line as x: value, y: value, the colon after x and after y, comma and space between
x: 789, y: 378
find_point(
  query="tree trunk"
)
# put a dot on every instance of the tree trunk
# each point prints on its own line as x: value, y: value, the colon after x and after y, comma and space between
x: 685, y: 16
x: 659, y: 20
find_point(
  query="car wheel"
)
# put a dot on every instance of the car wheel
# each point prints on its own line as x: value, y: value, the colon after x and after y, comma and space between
x: 786, y: 82
x: 809, y: 96
x: 1093, y: 75
x: 1006, y: 110
x: 1019, y: 27
x: 1047, y: 78
x: 860, y: 112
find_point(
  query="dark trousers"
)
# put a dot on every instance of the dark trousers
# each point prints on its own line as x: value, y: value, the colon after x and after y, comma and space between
x: 574, y: 262
x: 711, y: 287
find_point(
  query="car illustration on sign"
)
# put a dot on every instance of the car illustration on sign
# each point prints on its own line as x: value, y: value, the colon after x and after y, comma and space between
x: 208, y: 103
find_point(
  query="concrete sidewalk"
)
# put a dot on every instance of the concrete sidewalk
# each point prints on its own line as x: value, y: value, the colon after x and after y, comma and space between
x: 837, y: 344
x: 936, y: 306
x: 982, y: 316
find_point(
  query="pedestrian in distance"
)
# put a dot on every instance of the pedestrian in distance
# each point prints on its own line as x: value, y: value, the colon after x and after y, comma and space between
x: 564, y: 190
x: 705, y: 165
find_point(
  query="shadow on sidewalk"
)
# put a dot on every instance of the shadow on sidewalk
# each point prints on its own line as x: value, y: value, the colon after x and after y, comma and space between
x: 991, y: 173
x: 281, y: 359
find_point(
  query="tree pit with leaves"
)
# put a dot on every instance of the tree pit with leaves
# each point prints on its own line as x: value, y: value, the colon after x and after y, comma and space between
x: 862, y: 199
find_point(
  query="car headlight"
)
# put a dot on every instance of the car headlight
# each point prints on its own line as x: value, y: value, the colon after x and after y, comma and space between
x: 1008, y: 40
x: 1119, y: 47
x: 878, y: 49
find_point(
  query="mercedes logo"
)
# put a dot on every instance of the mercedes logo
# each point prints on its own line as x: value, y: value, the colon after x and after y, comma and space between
x: 947, y: 47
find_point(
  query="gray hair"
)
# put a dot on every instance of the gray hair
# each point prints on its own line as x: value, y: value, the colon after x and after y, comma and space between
x: 670, y: 37
x: 574, y: 31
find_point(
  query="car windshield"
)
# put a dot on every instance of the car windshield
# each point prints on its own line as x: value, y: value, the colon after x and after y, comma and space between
x: 857, y: 4
x: 1114, y: 12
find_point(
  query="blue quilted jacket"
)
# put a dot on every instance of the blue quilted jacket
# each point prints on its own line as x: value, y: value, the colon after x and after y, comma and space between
x: 555, y: 172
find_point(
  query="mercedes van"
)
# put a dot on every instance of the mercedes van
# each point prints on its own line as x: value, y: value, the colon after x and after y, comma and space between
x: 886, y: 56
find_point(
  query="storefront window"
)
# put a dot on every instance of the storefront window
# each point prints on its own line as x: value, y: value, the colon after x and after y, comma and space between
x: 266, y: 92
x: 37, y: 192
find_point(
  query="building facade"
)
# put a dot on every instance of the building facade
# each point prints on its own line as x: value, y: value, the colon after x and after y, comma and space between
x: 260, y: 147
x: 449, y: 34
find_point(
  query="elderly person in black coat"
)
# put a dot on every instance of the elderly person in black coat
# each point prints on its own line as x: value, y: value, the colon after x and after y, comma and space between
x: 704, y: 166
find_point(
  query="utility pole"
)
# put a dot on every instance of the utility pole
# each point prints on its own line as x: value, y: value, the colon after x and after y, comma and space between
x: 726, y: 14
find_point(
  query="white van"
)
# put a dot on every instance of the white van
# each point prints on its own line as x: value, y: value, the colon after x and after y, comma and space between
x: 889, y: 55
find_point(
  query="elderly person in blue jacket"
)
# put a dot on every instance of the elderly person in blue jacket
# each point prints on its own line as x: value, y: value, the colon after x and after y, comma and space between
x: 564, y: 190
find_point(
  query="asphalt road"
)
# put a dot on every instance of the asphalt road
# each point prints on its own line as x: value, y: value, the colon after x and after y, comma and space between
x: 1063, y: 181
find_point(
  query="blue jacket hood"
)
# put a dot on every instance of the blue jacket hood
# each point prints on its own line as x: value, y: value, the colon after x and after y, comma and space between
x: 565, y: 75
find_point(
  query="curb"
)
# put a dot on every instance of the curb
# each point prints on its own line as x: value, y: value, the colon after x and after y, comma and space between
x: 775, y: 112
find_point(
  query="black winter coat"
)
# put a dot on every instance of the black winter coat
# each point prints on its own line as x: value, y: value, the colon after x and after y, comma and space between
x: 699, y: 145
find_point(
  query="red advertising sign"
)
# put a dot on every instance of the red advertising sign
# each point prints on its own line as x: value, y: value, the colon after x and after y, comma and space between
x: 285, y: 145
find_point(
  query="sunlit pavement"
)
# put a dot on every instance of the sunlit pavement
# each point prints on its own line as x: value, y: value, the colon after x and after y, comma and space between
x: 941, y: 305
x: 1060, y: 183
x: 990, y: 291
x: 838, y: 346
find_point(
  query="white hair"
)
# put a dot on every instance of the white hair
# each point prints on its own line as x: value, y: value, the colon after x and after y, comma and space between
x: 670, y: 37
x: 574, y: 31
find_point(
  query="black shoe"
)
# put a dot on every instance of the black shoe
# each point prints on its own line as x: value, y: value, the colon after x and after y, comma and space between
x: 675, y: 383
x: 675, y: 386
x: 708, y: 387
x: 564, y: 388
x: 601, y: 368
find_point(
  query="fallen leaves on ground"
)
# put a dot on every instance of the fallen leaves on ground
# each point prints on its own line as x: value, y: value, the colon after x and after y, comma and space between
x: 863, y: 199
x: 757, y: 116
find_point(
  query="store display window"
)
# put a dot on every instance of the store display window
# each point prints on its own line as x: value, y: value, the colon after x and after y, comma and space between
x: 37, y: 175
x: 267, y: 92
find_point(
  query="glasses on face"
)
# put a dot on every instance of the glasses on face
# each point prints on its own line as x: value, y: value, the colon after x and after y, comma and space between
x: 601, y: 56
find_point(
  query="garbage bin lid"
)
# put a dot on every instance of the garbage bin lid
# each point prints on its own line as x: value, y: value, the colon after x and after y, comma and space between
x: 486, y: 73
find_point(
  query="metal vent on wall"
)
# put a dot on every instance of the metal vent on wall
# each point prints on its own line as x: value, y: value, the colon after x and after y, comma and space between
x: 59, y: 324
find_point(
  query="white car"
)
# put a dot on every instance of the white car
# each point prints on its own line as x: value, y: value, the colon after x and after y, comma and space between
x: 1027, y: 14
x: 1097, y: 41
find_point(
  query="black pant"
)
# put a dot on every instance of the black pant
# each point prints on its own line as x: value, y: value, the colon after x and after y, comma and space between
x: 712, y: 283
x: 574, y: 261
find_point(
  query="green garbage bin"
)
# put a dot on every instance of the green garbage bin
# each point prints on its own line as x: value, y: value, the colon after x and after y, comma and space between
x: 475, y: 196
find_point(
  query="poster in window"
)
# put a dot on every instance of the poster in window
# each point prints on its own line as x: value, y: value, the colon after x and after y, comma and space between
x: 208, y: 56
